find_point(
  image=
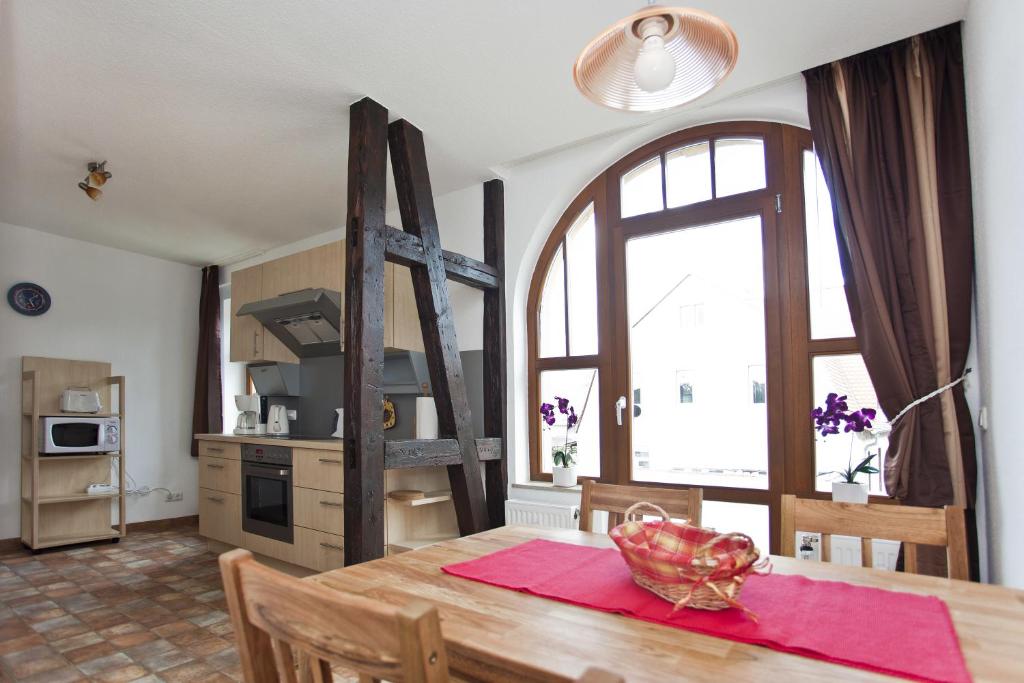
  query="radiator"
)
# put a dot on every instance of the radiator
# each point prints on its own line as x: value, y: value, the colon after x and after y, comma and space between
x: 528, y: 513
x: 846, y: 550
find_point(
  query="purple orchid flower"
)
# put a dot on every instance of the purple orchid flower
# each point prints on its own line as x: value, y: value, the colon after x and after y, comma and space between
x: 827, y: 419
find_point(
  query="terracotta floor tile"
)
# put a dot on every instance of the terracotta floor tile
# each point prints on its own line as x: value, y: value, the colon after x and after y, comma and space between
x: 90, y: 652
x: 94, y: 667
x: 33, y: 661
x: 148, y: 609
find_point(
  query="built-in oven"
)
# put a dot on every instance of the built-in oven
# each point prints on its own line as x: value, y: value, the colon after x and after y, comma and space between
x: 267, y: 491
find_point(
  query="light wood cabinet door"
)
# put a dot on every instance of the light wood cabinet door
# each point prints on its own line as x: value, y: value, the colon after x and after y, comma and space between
x: 319, y: 510
x: 405, y: 319
x: 246, y: 331
x: 320, y: 470
x: 219, y: 474
x: 221, y: 449
x: 220, y: 516
x: 318, y: 550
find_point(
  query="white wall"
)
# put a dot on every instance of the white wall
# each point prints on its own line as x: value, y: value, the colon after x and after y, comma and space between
x: 995, y: 100
x: 137, y: 312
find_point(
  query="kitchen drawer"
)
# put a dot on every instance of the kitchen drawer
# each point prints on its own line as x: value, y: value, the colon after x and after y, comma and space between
x: 319, y: 510
x: 220, y: 516
x: 221, y: 449
x: 318, y: 550
x: 321, y: 470
x: 220, y: 474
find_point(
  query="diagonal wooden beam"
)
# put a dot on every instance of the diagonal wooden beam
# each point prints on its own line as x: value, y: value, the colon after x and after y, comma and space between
x: 364, y: 340
x: 406, y: 249
x: 430, y: 285
x: 495, y: 366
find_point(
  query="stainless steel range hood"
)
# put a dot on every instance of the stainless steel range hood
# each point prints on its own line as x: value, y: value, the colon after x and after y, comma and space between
x: 308, y: 321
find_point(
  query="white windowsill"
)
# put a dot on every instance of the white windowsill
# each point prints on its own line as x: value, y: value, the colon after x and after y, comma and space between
x: 547, y: 486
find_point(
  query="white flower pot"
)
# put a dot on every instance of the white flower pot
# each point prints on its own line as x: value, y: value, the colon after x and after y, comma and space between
x: 843, y: 492
x: 564, y: 476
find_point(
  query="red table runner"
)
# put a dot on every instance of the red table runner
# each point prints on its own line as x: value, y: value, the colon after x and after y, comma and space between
x: 900, y: 634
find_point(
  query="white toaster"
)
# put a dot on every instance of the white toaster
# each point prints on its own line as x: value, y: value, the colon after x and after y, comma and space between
x: 80, y: 400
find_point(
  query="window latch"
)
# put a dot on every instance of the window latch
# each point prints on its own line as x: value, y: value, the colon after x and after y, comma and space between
x: 778, y: 203
x: 620, y: 405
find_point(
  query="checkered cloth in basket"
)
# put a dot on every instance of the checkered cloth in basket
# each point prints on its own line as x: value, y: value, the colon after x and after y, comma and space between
x: 687, y: 565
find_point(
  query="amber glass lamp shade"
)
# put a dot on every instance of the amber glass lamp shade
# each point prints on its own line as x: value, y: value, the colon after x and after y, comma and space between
x: 702, y: 48
x: 93, y: 192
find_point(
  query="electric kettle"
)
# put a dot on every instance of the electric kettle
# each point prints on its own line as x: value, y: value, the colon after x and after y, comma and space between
x: 277, y: 420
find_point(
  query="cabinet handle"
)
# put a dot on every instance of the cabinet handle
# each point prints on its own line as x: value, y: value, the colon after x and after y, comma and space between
x: 255, y: 337
x: 330, y: 461
x: 331, y: 546
x: 214, y: 499
x: 216, y: 467
x: 214, y: 450
x: 329, y: 504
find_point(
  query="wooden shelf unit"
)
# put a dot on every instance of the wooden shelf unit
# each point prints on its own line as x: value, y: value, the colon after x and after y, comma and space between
x: 55, y: 509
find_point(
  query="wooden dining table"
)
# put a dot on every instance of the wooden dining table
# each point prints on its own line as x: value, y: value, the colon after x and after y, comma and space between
x: 496, y: 634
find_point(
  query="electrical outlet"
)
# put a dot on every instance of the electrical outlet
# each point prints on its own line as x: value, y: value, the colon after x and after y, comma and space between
x: 293, y: 415
x: 174, y: 496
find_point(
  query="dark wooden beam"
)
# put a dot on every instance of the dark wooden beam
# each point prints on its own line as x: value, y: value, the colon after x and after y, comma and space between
x: 430, y: 285
x: 403, y: 453
x: 364, y: 336
x: 495, y: 366
x: 406, y: 249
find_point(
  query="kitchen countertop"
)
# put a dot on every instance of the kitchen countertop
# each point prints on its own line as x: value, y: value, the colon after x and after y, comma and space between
x: 319, y: 444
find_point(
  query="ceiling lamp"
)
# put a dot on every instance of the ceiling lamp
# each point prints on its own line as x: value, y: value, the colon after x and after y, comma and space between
x: 98, y: 176
x: 657, y: 58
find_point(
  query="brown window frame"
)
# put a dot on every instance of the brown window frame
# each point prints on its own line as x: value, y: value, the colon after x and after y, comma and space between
x: 790, y: 349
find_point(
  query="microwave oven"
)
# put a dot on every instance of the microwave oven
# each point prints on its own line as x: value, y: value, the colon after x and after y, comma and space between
x: 60, y: 435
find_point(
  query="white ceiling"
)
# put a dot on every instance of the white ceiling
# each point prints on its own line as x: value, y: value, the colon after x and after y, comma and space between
x: 225, y: 122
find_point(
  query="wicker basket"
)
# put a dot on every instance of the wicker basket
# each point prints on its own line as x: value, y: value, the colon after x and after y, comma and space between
x: 687, y: 565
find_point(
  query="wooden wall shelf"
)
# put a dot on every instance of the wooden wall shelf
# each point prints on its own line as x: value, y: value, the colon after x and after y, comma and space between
x: 55, y: 509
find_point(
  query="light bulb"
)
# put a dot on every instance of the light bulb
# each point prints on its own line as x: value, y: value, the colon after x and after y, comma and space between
x: 654, y: 68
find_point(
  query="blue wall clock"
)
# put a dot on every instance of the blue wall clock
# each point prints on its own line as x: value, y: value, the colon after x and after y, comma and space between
x: 28, y: 298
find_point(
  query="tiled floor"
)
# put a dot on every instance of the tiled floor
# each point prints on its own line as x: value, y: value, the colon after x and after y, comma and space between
x: 149, y: 608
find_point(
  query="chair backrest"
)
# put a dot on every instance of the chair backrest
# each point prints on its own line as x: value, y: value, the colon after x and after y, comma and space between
x: 910, y: 525
x: 290, y: 630
x: 615, y: 499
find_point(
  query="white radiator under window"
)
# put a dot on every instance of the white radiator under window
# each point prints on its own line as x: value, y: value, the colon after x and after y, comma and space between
x: 527, y: 513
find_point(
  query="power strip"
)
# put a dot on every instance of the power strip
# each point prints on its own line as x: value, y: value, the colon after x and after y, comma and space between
x: 100, y: 489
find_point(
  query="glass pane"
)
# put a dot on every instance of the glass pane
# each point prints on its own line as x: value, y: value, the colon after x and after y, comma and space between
x: 739, y: 165
x: 697, y: 345
x: 745, y: 518
x: 551, y: 316
x: 830, y: 314
x: 688, y: 175
x: 581, y: 254
x: 641, y: 189
x: 580, y: 387
x: 846, y: 375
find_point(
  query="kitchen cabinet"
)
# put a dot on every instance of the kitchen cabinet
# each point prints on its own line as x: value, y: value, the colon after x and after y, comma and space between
x: 320, y: 267
x: 318, y: 514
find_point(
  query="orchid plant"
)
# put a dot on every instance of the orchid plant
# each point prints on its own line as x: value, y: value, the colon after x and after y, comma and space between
x: 827, y: 420
x: 563, y: 457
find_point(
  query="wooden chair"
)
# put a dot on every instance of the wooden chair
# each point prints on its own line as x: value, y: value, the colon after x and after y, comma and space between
x: 291, y: 630
x: 615, y: 499
x: 910, y: 525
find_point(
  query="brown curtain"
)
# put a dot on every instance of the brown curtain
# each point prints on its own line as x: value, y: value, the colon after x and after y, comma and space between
x: 890, y: 129
x: 206, y: 409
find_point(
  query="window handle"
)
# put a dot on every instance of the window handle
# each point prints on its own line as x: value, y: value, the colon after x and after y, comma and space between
x: 620, y: 405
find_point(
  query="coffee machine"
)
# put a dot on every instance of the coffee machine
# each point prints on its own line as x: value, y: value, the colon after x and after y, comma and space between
x: 249, y: 418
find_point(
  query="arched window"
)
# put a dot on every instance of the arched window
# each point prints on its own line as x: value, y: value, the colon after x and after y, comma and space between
x: 689, y: 304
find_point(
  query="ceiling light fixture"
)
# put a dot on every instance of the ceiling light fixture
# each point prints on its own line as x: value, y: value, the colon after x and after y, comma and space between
x: 98, y: 176
x: 656, y: 58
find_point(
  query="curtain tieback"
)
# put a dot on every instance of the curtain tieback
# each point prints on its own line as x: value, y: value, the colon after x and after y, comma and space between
x: 933, y: 394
